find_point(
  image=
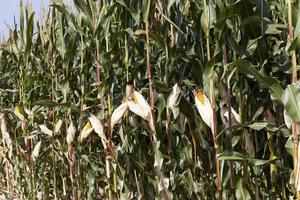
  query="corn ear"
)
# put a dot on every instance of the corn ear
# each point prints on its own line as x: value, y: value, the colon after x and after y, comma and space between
x: 204, y: 107
x: 57, y: 126
x: 118, y: 114
x: 36, y: 151
x: 86, y: 131
x: 71, y: 131
x: 98, y: 128
x: 19, y: 114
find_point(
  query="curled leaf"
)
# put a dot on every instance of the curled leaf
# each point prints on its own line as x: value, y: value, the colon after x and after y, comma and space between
x: 46, y: 130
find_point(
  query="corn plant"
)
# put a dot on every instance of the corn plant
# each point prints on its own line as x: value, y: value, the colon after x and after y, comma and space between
x: 128, y: 99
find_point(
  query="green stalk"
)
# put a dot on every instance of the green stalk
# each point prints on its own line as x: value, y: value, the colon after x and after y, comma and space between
x: 159, y: 174
x: 213, y: 104
x: 270, y: 119
x: 214, y: 133
x: 54, y: 80
x: 24, y: 69
x: 148, y: 52
x: 278, y: 122
x: 82, y: 81
x: 108, y: 121
x: 107, y: 159
x: 72, y: 171
x: 151, y: 98
x: 231, y: 169
x: 294, y: 81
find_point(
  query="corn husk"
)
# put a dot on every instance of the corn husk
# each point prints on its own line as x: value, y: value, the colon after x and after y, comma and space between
x: 36, y: 151
x: 57, y: 126
x: 118, y: 114
x: 174, y: 97
x: 98, y: 128
x: 204, y: 107
x: 86, y: 131
x: 71, y: 131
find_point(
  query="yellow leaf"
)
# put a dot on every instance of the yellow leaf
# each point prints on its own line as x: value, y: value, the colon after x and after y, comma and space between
x: 19, y: 114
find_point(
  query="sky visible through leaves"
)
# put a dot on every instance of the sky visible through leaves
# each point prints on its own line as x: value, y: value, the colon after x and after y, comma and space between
x: 9, y: 10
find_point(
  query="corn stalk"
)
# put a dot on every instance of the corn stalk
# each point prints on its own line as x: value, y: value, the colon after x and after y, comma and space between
x: 294, y: 81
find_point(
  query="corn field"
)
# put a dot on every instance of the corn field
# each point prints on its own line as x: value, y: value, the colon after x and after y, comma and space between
x: 151, y: 99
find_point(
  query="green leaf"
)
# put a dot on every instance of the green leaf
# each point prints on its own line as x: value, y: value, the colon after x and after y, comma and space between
x: 85, y: 10
x: 170, y: 4
x: 251, y: 47
x: 146, y: 9
x: 21, y: 17
x: 291, y: 101
x: 266, y: 81
x: 63, y: 9
x: 134, y: 13
x: 158, y: 158
x: 274, y: 29
x: 91, y: 180
x: 47, y: 103
x: 71, y: 48
x: 241, y: 191
x: 233, y: 127
x: 29, y: 32
x: 296, y: 43
x: 289, y: 146
x: 260, y: 162
x: 161, y: 104
x: 287, y: 120
x: 232, y: 156
x: 263, y: 125
x: 83, y: 7
x: 238, y: 157
x: 208, y: 17
x: 60, y: 8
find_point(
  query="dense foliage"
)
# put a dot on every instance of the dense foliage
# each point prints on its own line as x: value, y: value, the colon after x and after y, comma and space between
x: 68, y: 72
